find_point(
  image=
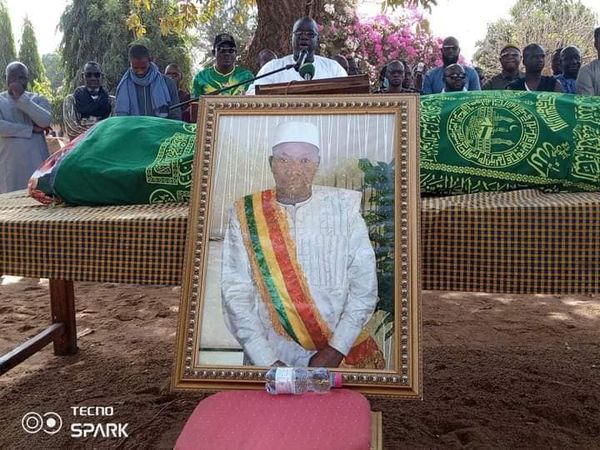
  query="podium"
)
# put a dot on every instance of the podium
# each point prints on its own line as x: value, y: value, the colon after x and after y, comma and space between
x: 355, y: 84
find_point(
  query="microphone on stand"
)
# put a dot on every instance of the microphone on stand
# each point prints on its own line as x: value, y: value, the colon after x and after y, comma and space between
x: 307, y: 71
x: 301, y: 59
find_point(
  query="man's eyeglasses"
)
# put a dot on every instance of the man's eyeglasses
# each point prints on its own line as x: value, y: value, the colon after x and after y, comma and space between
x: 92, y: 74
x: 308, y: 34
x: 456, y: 76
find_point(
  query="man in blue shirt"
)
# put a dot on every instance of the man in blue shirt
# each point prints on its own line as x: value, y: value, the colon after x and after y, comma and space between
x: 434, y: 79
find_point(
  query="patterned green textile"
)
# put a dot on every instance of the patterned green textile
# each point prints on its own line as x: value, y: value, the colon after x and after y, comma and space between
x: 506, y: 140
x: 209, y: 80
x: 470, y: 142
x: 128, y: 160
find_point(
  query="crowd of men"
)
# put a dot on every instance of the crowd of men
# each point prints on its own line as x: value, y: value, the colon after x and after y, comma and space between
x: 144, y: 90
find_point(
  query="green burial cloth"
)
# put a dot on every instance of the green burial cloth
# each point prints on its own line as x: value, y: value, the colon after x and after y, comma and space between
x: 470, y: 142
x: 506, y: 140
x: 125, y: 160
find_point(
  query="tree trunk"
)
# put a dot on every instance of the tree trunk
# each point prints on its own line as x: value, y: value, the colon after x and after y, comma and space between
x: 274, y: 26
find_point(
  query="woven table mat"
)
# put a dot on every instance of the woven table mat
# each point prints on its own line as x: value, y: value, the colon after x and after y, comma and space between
x: 518, y: 242
x: 137, y: 244
x: 515, y: 242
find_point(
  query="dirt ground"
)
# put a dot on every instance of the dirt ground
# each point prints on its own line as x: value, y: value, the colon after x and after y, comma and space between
x: 500, y: 371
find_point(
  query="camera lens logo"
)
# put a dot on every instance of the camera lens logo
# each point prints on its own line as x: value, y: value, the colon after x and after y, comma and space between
x: 50, y: 422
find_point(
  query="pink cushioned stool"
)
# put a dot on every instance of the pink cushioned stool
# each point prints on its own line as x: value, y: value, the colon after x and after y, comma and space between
x: 340, y: 419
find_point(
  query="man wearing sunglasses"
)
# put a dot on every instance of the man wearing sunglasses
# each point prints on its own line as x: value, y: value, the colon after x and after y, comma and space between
x: 224, y: 72
x: 89, y: 104
x: 510, y: 59
x: 305, y: 38
x: 434, y: 79
x: 454, y: 78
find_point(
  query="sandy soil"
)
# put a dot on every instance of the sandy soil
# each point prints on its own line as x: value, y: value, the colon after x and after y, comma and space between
x: 500, y: 371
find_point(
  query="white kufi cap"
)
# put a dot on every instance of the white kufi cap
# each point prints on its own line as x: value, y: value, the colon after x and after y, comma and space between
x: 296, y: 132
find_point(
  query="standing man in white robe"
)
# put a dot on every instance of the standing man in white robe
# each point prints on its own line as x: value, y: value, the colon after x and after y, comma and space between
x: 328, y: 244
x: 305, y: 36
x: 24, y: 116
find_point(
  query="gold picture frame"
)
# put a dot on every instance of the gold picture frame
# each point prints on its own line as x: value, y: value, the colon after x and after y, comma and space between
x: 231, y: 142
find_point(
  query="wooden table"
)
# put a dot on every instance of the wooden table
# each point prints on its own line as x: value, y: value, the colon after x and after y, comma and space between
x: 480, y: 242
x: 139, y: 244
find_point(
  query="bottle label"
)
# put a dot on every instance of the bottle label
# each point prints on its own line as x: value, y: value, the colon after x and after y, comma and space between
x: 284, y: 380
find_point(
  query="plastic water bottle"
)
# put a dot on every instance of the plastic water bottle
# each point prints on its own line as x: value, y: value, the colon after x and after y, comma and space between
x: 298, y: 380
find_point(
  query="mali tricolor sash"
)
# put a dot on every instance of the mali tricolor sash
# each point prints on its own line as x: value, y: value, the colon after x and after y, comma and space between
x: 283, y: 285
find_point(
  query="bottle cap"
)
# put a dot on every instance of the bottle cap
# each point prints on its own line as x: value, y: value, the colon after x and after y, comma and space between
x: 337, y: 380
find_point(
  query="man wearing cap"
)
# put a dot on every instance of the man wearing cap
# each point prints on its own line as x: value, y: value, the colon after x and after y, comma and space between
x: 298, y: 277
x: 305, y: 36
x: 510, y: 59
x: 224, y: 72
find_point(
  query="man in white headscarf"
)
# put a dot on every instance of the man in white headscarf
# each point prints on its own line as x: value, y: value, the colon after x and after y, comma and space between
x: 299, y: 278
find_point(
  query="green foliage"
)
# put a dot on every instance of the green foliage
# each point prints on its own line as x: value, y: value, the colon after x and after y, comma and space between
x: 94, y: 30
x: 166, y: 48
x: 43, y: 87
x: 183, y: 15
x: 29, y: 55
x: 56, y: 103
x: 97, y: 30
x: 378, y: 189
x: 187, y: 14
x: 426, y: 4
x: 7, y: 43
x: 237, y: 19
x: 550, y: 23
x: 55, y: 71
x: 54, y: 96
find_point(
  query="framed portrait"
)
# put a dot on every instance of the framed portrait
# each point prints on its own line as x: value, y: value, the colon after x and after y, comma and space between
x: 302, y: 243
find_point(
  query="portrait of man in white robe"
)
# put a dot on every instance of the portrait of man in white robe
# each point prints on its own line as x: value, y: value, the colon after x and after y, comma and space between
x: 299, y: 278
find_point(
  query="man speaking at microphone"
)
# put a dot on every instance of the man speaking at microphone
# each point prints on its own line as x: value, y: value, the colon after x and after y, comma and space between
x: 309, y: 66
